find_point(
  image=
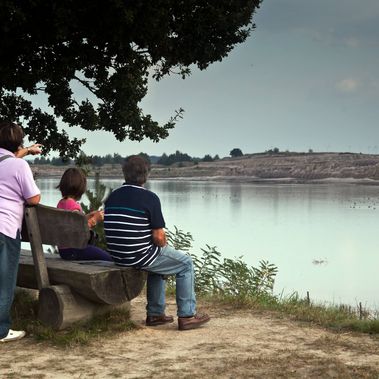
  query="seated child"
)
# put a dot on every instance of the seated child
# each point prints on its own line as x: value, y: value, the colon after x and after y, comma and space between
x: 72, y: 186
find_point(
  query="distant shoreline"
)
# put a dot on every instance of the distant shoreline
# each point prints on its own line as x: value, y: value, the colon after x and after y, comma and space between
x: 316, y: 168
x: 243, y: 180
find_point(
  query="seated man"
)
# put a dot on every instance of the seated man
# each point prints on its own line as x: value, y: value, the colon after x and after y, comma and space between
x: 133, y: 224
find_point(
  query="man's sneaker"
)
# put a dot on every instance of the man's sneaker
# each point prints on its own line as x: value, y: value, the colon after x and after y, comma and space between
x: 158, y: 320
x: 13, y: 335
x: 186, y: 323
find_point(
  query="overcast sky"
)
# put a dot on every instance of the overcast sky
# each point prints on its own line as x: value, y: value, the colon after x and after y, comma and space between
x: 306, y: 78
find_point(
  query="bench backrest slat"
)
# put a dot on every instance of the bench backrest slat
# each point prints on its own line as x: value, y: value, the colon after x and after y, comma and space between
x: 60, y: 227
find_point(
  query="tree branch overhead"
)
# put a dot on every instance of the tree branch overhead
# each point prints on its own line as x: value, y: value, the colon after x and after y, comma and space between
x: 109, y: 47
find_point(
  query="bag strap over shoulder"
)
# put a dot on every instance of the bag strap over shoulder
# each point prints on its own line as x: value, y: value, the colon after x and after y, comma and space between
x: 4, y: 157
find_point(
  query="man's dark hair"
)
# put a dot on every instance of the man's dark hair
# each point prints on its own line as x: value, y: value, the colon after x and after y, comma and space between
x: 11, y: 136
x: 136, y: 170
x: 73, y: 183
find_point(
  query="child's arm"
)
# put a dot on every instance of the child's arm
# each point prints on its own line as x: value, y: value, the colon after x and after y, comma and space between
x: 94, y: 217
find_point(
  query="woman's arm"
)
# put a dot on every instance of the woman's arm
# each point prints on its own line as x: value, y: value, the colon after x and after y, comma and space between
x: 31, y: 150
x: 33, y: 200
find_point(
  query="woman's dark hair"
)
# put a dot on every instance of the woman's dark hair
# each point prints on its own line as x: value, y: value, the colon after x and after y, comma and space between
x: 73, y: 183
x: 136, y: 170
x: 11, y: 136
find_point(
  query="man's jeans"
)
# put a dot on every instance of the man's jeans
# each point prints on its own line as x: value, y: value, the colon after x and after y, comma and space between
x: 9, y: 258
x: 169, y: 262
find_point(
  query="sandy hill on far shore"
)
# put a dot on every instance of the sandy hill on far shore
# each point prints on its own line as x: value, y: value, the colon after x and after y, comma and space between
x: 298, y: 167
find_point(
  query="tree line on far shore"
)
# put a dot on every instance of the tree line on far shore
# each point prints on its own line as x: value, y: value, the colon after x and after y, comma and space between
x: 164, y: 159
x: 97, y: 160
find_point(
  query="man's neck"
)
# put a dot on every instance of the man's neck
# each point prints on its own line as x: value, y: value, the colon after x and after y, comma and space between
x: 134, y: 184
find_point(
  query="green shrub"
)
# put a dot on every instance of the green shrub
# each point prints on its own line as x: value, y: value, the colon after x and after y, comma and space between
x: 96, y: 200
x: 230, y: 277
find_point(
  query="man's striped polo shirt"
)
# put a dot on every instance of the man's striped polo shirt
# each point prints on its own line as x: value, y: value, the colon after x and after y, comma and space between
x: 131, y: 213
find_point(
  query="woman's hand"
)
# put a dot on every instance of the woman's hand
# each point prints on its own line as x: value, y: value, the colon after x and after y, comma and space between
x: 31, y: 150
x: 35, y: 149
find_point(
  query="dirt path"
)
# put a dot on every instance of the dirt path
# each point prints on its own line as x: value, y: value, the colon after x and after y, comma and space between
x: 235, y: 344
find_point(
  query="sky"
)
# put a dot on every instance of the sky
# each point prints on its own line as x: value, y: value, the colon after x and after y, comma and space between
x: 306, y: 78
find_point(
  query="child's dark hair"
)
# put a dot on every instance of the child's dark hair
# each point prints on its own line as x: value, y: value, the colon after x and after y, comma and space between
x: 73, y: 183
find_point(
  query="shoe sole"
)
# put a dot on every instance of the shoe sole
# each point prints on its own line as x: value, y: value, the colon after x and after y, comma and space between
x: 160, y: 323
x: 193, y: 326
x: 11, y: 339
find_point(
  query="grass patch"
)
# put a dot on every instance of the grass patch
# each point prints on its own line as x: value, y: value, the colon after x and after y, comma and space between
x: 24, y: 316
x: 336, y: 317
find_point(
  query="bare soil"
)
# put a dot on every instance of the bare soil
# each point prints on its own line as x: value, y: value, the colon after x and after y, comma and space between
x: 234, y: 344
x: 283, y: 167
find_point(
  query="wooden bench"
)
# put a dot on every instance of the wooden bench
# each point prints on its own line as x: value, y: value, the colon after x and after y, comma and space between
x: 70, y: 291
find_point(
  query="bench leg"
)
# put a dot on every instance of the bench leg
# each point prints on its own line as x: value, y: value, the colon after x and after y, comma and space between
x: 59, y: 307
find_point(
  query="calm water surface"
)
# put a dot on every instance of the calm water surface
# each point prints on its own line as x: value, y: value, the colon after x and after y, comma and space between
x: 322, y: 237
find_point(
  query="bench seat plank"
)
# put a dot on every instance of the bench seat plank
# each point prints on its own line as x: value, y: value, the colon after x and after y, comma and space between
x: 104, y: 284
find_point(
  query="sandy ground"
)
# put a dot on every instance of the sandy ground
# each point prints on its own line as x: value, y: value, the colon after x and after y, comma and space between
x: 234, y: 344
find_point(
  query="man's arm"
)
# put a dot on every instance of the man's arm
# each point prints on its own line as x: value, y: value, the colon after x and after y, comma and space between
x: 34, y: 200
x: 159, y: 237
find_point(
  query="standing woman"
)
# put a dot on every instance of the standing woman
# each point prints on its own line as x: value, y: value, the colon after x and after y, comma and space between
x: 17, y: 187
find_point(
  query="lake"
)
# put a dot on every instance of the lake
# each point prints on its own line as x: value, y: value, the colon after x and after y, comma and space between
x: 322, y: 237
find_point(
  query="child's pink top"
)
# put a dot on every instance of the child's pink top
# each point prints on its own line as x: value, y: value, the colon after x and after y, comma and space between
x: 69, y: 205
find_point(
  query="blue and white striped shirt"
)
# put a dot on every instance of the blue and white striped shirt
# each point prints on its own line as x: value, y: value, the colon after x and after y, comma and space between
x: 131, y: 213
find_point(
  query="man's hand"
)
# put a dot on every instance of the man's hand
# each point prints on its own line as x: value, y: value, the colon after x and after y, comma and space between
x: 159, y: 237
